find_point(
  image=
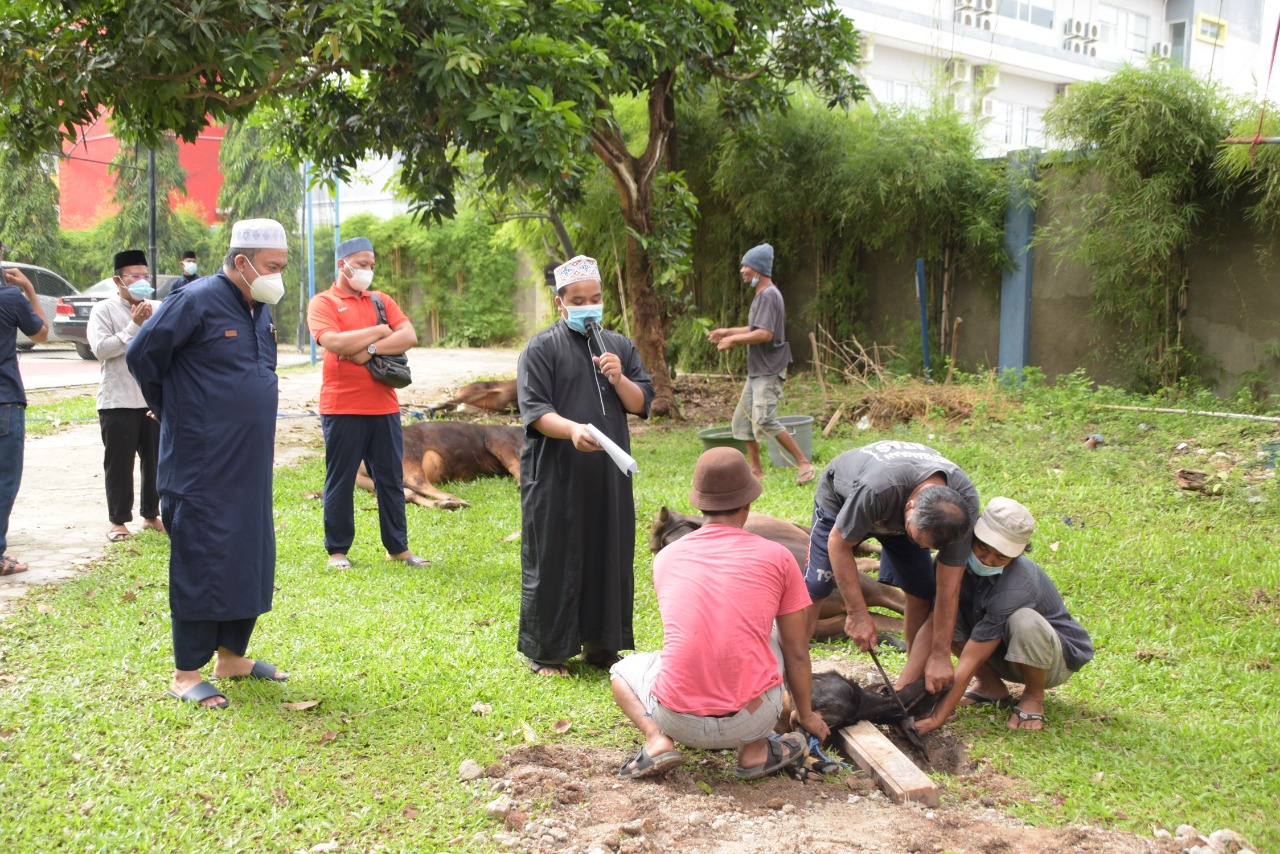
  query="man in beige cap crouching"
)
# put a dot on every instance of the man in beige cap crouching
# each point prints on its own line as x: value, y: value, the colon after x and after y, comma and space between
x: 1011, y: 625
x: 717, y: 683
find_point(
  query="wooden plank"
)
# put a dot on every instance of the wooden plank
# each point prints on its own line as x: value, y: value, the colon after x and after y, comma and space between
x: 897, y: 775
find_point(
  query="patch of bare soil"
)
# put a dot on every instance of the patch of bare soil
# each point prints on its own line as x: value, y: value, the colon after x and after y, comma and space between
x: 582, y: 806
x: 562, y: 798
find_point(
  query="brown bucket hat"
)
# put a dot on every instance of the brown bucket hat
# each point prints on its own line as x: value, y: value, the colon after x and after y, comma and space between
x: 722, y: 481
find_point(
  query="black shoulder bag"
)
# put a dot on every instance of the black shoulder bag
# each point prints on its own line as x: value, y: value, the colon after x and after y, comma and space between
x: 390, y: 370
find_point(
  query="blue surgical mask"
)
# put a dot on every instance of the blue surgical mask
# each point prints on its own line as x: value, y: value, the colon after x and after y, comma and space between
x: 755, y: 280
x: 141, y: 290
x: 580, y: 315
x: 977, y: 567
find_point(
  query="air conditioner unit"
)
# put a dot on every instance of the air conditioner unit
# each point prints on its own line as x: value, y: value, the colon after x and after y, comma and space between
x: 967, y: 18
x: 1162, y: 49
x: 987, y: 75
x: 1077, y: 47
x: 985, y: 23
x: 1063, y: 90
x: 1091, y: 50
x: 1071, y: 28
x: 960, y: 71
x: 988, y: 107
x: 1090, y: 32
x: 986, y: 7
x: 967, y: 5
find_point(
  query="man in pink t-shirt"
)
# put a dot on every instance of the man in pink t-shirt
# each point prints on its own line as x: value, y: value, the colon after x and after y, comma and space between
x: 717, y: 681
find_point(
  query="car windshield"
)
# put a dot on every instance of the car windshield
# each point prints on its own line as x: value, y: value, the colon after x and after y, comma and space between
x: 105, y: 288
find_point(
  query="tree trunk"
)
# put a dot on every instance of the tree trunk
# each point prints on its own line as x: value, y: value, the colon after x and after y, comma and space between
x: 634, y: 177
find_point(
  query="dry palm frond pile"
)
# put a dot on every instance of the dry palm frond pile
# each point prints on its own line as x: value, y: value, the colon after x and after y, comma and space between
x: 904, y: 400
x: 890, y: 399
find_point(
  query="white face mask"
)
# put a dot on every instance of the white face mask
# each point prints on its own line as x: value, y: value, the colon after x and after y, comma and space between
x: 189, y: 268
x: 360, y: 279
x: 268, y: 289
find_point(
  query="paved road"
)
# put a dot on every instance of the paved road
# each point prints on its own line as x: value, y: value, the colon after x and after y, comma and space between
x: 59, y: 522
x: 58, y: 365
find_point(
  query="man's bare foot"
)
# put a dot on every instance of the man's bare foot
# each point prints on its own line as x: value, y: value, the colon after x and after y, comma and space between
x: 153, y: 524
x: 758, y: 474
x: 232, y: 666
x: 547, y: 668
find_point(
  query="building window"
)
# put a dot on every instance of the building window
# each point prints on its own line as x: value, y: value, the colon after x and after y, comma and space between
x: 1039, y: 13
x: 1122, y: 29
x: 1013, y: 126
x: 899, y: 92
x: 1211, y: 30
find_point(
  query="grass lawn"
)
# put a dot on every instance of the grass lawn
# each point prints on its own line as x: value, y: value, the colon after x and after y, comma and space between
x: 1176, y: 720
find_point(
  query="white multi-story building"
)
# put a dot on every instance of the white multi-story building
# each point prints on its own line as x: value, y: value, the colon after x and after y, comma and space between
x: 1004, y: 61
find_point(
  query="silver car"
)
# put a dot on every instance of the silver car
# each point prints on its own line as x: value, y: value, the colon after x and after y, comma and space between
x: 49, y: 287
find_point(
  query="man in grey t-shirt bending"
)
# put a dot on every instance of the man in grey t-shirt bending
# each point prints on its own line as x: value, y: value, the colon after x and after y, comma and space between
x: 912, y: 499
x: 768, y: 354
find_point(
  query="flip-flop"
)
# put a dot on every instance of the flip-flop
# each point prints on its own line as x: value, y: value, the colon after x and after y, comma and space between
x: 414, y: 560
x: 199, y: 693
x: 1023, y: 717
x: 977, y: 700
x: 117, y: 536
x: 784, y: 750
x: 644, y: 765
x: 339, y: 563
x: 261, y: 670
x: 806, y: 476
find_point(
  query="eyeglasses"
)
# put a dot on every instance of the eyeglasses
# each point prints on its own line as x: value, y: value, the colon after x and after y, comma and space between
x: 137, y: 276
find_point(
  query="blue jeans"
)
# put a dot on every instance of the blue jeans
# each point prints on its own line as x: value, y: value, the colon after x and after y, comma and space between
x: 13, y: 432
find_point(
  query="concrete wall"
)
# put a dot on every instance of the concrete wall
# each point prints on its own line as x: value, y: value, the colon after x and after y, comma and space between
x: 1233, y: 312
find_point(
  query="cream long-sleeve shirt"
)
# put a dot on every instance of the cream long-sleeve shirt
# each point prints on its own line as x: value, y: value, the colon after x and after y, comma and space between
x: 110, y: 330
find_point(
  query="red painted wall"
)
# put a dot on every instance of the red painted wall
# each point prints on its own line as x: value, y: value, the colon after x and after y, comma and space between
x: 84, y: 184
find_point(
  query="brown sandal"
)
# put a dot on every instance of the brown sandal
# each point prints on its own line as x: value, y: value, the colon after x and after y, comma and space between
x: 9, y: 566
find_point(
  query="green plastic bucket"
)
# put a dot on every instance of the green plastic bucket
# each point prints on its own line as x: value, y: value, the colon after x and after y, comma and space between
x: 720, y: 437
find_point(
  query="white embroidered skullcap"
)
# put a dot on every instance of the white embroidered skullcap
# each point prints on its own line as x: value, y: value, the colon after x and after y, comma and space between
x: 258, y: 234
x: 577, y: 269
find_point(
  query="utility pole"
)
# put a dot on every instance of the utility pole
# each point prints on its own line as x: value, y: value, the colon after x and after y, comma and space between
x: 151, y: 169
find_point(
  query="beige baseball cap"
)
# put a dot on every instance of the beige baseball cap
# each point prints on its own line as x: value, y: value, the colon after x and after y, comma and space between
x: 1006, y: 526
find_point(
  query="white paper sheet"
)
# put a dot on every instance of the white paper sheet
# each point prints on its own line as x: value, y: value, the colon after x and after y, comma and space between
x: 624, y: 461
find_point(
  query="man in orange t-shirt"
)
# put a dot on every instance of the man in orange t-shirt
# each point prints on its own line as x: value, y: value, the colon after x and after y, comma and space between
x: 360, y: 416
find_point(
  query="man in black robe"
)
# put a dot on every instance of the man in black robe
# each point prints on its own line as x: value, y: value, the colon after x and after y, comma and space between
x: 206, y: 365
x: 577, y: 510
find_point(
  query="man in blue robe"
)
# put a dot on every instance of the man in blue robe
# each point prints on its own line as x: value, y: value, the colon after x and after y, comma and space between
x: 578, y: 518
x: 206, y: 365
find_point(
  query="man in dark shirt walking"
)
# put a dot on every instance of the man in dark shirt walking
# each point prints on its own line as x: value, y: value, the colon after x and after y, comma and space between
x: 768, y: 354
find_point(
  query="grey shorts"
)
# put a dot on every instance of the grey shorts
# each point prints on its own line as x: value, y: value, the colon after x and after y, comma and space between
x: 1029, y: 640
x: 756, y: 418
x: 640, y: 670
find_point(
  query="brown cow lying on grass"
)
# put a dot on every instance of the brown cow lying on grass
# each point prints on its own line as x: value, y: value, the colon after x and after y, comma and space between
x: 441, y: 451
x: 670, y: 525
x: 497, y: 396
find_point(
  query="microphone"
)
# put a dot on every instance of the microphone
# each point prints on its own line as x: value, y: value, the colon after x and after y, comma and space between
x: 592, y: 327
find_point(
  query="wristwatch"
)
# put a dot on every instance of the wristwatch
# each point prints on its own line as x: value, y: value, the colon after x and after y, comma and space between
x: 373, y: 349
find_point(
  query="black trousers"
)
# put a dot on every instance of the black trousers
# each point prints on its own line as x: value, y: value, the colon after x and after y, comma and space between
x: 378, y: 441
x: 195, y: 641
x: 127, y: 433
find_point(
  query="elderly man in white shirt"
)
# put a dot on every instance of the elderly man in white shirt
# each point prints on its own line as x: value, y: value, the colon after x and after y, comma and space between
x: 128, y: 431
